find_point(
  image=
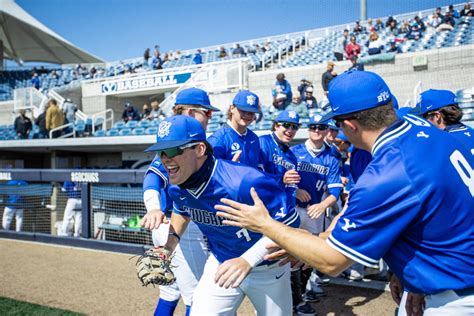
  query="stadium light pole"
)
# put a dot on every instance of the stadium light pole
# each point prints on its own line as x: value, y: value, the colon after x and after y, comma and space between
x: 363, y: 10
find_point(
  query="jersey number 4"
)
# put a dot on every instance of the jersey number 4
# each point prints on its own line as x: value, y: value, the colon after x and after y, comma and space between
x: 464, y: 170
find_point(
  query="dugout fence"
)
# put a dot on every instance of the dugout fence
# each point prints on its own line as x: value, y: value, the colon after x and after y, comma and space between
x: 106, y: 208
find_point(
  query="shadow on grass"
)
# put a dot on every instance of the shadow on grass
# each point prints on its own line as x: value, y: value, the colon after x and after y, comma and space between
x: 12, y: 307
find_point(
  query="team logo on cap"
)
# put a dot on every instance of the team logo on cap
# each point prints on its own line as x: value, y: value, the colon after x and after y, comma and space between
x: 292, y: 114
x: 384, y: 96
x: 251, y: 100
x: 164, y: 129
x: 317, y: 117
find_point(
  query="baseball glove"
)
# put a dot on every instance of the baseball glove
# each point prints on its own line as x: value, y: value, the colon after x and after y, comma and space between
x: 154, y: 267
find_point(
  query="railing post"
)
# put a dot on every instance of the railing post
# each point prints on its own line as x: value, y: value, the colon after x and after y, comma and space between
x: 86, y: 198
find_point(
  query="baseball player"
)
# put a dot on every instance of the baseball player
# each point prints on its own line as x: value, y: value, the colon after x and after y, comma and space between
x: 440, y: 108
x: 191, y: 255
x: 319, y: 171
x: 397, y: 210
x: 235, y: 267
x: 235, y: 141
x: 276, y: 158
x: 14, y: 207
x: 73, y: 210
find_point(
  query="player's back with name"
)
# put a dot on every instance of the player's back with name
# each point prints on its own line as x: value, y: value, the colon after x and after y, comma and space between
x: 423, y: 173
x: 233, y: 181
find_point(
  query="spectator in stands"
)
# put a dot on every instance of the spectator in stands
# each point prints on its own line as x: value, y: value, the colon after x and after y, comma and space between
x: 454, y: 13
x: 389, y: 20
x: 447, y: 24
x: 420, y: 23
x: 435, y: 20
x: 405, y: 28
x: 14, y: 206
x: 340, y: 48
x: 378, y: 27
x: 375, y: 44
x: 130, y: 113
x: 392, y: 29
x: 54, y: 118
x: 279, y: 101
x: 304, y: 84
x: 309, y: 99
x: 166, y: 58
x: 267, y: 47
x: 156, y: 51
x: 259, y: 49
x: 146, y: 111
x: 298, y: 106
x: 35, y: 81
x: 41, y: 122
x: 352, y: 49
x: 467, y: 11
x: 358, y: 28
x: 92, y: 72
x: 394, y: 48
x: 157, y: 63
x: 415, y: 32
x: 222, y: 52
x: 252, y: 49
x: 70, y: 110
x: 22, y: 125
x: 177, y: 55
x: 197, y: 59
x: 156, y: 113
x: 53, y: 74
x: 283, y: 89
x: 327, y: 77
x: 238, y: 51
x: 355, y: 64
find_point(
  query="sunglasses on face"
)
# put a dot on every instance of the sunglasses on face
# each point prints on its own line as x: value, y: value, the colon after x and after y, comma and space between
x: 293, y: 126
x: 206, y: 112
x: 175, y: 151
x: 319, y: 127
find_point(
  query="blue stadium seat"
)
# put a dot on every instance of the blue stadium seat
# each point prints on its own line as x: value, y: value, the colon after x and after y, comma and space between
x: 138, y: 131
x: 144, y: 124
x: 125, y: 131
x: 112, y: 132
x: 131, y: 124
x: 151, y: 130
x: 119, y: 125
x: 99, y: 133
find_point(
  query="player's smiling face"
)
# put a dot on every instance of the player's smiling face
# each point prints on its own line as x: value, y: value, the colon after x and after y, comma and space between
x: 181, y: 167
x: 241, y: 118
x: 284, y: 134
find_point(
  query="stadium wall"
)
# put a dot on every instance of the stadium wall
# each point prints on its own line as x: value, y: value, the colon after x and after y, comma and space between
x: 447, y: 68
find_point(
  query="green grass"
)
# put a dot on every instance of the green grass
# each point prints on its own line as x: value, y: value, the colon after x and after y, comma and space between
x: 13, y: 307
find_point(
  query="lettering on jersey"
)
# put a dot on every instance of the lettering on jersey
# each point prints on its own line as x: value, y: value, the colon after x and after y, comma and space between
x: 85, y: 177
x: 280, y: 161
x: 467, y: 134
x: 312, y: 167
x: 384, y: 96
x: 281, y: 212
x: 422, y: 134
x: 348, y: 225
x: 203, y: 216
x: 5, y: 176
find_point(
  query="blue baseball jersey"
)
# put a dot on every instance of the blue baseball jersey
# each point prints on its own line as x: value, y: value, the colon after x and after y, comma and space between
x: 463, y: 133
x: 14, y: 200
x: 275, y: 160
x: 226, y: 142
x: 358, y: 162
x: 156, y: 178
x: 413, y: 207
x: 318, y: 172
x: 233, y: 181
x: 73, y: 189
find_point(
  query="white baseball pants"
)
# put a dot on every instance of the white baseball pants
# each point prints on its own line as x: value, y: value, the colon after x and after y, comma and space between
x: 72, y: 211
x: 8, y: 214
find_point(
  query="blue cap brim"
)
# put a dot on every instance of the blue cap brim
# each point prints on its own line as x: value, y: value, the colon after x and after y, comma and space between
x: 247, y: 108
x: 167, y: 145
x: 327, y: 117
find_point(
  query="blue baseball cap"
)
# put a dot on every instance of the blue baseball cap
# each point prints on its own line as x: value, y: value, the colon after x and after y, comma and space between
x: 332, y: 125
x: 289, y: 117
x: 195, y: 96
x: 434, y: 99
x: 316, y: 119
x: 246, y: 101
x: 354, y: 91
x: 342, y: 136
x: 176, y: 131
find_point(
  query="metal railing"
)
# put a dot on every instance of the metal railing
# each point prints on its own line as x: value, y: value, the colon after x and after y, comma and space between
x: 103, y: 115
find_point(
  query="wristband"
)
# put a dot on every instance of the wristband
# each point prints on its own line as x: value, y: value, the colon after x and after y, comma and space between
x: 175, y: 235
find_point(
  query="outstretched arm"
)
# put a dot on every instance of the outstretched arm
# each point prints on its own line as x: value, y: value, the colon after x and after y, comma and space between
x: 310, y: 249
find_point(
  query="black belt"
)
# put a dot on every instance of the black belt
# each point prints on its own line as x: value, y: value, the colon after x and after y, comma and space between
x: 465, y: 292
